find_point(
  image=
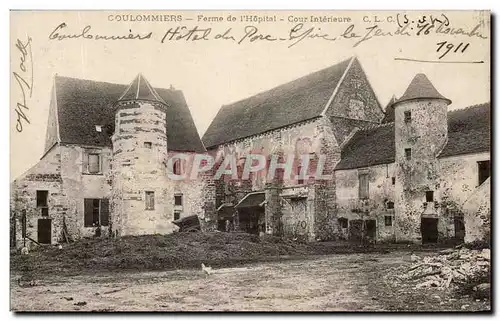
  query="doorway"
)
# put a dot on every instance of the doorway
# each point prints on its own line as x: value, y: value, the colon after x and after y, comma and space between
x: 371, y: 230
x: 355, y: 230
x: 459, y: 228
x: 45, y: 230
x: 429, y: 230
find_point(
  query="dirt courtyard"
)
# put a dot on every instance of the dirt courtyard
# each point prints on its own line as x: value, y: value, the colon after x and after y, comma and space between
x: 342, y: 282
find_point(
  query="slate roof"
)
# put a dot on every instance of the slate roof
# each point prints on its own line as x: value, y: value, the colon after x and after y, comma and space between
x: 140, y: 88
x: 421, y: 88
x: 82, y: 104
x: 293, y: 102
x: 468, y: 132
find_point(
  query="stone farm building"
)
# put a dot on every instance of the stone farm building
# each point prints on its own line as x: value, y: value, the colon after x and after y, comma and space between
x: 104, y: 164
x: 412, y: 172
x: 401, y: 174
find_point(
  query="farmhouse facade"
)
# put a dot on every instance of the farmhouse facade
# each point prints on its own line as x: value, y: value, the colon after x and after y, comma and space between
x: 403, y: 174
x: 410, y: 172
x: 103, y: 170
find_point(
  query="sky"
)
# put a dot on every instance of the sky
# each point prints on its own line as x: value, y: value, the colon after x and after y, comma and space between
x: 213, y: 73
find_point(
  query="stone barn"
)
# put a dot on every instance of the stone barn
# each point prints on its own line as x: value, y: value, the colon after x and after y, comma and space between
x: 402, y: 174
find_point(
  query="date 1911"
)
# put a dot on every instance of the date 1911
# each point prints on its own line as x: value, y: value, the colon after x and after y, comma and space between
x: 446, y: 47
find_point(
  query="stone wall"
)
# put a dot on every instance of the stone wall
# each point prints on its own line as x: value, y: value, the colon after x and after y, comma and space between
x: 459, y: 177
x: 139, y: 152
x: 45, y: 175
x: 355, y: 98
x: 381, y: 192
x: 78, y: 184
x: 425, y: 135
x: 477, y: 215
x: 314, y: 138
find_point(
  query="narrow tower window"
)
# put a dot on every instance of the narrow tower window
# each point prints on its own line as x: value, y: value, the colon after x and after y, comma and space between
x: 178, y: 199
x: 407, y: 116
x: 408, y: 153
x: 148, y: 145
x: 150, y: 200
x: 429, y: 196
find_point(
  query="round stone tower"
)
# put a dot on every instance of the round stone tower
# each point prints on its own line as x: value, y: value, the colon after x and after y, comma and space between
x: 139, y: 174
x: 421, y: 131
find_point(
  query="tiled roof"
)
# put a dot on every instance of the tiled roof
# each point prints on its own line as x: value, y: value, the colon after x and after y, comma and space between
x: 468, y: 132
x: 293, y: 102
x: 369, y: 147
x: 82, y: 104
x: 420, y: 88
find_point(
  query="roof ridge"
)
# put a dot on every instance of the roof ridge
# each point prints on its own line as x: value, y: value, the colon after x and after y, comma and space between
x: 374, y: 126
x: 261, y: 93
x: 113, y: 83
x: 470, y: 107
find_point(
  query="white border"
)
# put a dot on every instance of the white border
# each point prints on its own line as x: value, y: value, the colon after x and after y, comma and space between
x: 199, y: 5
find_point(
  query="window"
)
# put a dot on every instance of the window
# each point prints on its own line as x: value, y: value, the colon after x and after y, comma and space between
x: 148, y: 145
x: 363, y: 185
x: 177, y: 215
x: 407, y: 116
x: 178, y: 200
x: 393, y: 179
x: 483, y: 171
x: 42, y: 202
x: 150, y: 200
x: 390, y: 205
x: 96, y: 212
x: 429, y: 196
x: 408, y: 153
x: 177, y: 167
x: 300, y: 180
x: 388, y: 220
x: 41, y: 198
x: 93, y: 163
x: 98, y: 128
x: 343, y: 222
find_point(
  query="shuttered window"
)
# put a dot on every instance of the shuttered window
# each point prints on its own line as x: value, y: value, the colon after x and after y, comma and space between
x: 104, y: 212
x: 150, y: 200
x: 96, y: 212
x: 88, y: 212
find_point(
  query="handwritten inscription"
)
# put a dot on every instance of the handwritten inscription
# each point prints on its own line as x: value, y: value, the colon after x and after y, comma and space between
x: 86, y: 33
x: 446, y: 47
x: 24, y: 78
x: 298, y: 33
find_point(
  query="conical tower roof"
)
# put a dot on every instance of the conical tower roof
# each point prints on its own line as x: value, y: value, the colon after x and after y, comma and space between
x: 421, y: 88
x: 140, y: 89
